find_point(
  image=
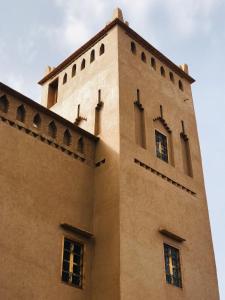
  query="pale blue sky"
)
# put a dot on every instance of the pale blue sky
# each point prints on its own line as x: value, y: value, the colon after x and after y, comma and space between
x: 34, y: 34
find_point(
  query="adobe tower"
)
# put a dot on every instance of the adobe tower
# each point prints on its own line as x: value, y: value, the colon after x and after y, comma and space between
x: 103, y: 194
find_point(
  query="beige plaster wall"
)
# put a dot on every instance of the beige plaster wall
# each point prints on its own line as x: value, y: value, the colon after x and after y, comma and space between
x: 40, y: 188
x: 102, y: 74
x: 148, y: 201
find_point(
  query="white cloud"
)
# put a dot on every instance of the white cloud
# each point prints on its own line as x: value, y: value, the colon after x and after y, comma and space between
x: 190, y: 16
x: 16, y: 81
x: 78, y: 20
x: 82, y: 19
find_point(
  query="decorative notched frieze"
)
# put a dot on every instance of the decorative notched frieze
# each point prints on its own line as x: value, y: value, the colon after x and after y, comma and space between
x: 183, y: 132
x: 20, y: 112
x: 79, y: 118
x: 162, y: 120
x: 164, y: 177
x: 138, y: 101
x: 99, y: 163
x: 43, y: 138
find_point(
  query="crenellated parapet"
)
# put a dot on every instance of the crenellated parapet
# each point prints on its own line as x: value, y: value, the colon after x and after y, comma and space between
x: 22, y: 113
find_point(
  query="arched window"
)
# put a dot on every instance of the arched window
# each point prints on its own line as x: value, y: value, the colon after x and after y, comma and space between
x: 92, y: 57
x: 102, y: 49
x: 37, y: 121
x: 67, y: 138
x: 74, y: 69
x: 133, y: 48
x: 143, y: 57
x: 21, y: 113
x: 83, y: 64
x: 181, y: 85
x: 52, y: 129
x: 80, y: 145
x: 162, y: 71
x: 65, y: 78
x: 153, y: 63
x: 171, y: 77
x: 4, y: 104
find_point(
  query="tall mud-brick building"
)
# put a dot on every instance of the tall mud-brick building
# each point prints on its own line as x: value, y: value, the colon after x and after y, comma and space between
x: 102, y: 190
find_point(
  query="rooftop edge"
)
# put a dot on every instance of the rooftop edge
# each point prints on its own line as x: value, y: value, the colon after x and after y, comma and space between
x: 134, y: 35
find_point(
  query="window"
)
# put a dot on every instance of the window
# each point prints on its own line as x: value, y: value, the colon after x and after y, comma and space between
x: 82, y: 64
x: 133, y: 47
x: 64, y: 78
x: 52, y: 129
x: 74, y: 69
x: 80, y: 145
x: 53, y: 92
x: 181, y: 85
x: 143, y: 57
x: 4, y: 104
x: 161, y: 146
x: 153, y: 63
x: 171, y: 77
x: 162, y: 71
x: 21, y: 113
x: 102, y: 49
x: 37, y: 121
x: 172, y: 266
x: 67, y: 138
x: 92, y: 57
x: 72, y: 268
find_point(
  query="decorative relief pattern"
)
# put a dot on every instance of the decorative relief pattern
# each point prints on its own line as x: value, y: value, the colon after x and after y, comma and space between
x: 43, y: 138
x: 178, y: 185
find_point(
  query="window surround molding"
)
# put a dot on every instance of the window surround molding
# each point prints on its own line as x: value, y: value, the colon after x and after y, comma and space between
x: 171, y: 235
x: 76, y: 230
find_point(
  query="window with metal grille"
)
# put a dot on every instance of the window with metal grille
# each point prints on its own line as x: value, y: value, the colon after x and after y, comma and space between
x: 72, y: 268
x: 172, y: 265
x: 161, y: 146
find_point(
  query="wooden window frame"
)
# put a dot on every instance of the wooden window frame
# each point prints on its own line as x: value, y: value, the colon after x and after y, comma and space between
x: 167, y: 146
x: 72, y: 263
x: 170, y: 277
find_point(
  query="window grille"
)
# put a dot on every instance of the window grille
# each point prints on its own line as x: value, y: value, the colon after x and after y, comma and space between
x: 72, y: 269
x: 161, y: 146
x: 172, y: 265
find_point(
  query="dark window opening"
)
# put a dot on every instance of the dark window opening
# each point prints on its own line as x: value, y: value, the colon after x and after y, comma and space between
x: 80, y: 145
x: 4, y: 104
x: 153, y: 63
x: 162, y: 71
x: 161, y: 146
x: 37, y: 121
x: 21, y: 113
x: 102, y: 49
x: 83, y: 64
x: 92, y: 57
x: 172, y: 266
x: 181, y: 85
x: 74, y: 69
x: 53, y: 93
x: 171, y: 77
x: 72, y: 265
x: 67, y: 138
x: 133, y: 47
x: 65, y: 78
x: 143, y: 57
x: 52, y: 129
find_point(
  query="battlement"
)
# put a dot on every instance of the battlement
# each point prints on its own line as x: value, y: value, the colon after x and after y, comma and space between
x: 22, y: 113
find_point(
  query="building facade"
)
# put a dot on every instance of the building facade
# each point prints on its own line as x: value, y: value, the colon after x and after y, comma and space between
x: 103, y: 193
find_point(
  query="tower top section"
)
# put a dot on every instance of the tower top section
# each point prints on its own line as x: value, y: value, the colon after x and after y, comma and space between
x: 117, y: 20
